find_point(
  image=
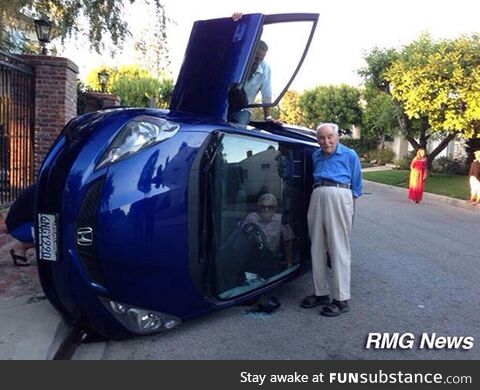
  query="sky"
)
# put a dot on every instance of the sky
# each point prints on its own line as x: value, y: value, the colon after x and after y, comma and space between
x: 345, y: 31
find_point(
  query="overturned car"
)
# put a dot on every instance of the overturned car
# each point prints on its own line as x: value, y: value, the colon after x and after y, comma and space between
x: 146, y: 217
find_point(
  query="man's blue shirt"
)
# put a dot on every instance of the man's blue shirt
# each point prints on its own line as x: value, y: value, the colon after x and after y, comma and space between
x: 260, y: 81
x: 342, y: 166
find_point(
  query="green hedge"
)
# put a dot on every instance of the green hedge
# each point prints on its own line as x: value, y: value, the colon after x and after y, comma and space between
x: 382, y: 156
x: 362, y: 146
x: 450, y: 166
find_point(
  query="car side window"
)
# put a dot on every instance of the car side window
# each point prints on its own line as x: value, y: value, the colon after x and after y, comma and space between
x: 255, y: 236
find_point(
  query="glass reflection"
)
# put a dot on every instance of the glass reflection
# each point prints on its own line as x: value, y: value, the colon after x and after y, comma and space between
x: 254, y: 229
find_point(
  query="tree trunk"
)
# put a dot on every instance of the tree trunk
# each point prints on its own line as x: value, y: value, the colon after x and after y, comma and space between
x: 412, y: 141
x: 381, y: 144
x: 442, y: 145
x: 405, y: 124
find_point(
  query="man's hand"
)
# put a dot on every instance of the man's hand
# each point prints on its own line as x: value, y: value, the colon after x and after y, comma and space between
x: 273, y: 120
x: 237, y: 16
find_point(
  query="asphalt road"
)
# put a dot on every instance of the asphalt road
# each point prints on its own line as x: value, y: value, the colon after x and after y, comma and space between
x: 415, y: 269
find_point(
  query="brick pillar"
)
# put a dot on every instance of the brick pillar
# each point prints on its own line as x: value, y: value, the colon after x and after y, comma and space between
x: 55, y: 99
x: 97, y: 101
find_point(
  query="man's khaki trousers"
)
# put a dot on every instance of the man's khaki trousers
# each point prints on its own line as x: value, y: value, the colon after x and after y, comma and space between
x: 330, y: 218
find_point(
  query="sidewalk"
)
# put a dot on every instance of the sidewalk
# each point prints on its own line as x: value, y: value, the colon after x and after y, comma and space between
x: 30, y: 328
x: 378, y: 168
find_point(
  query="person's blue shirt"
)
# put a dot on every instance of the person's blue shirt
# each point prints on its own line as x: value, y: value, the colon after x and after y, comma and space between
x: 342, y: 166
x: 259, y: 82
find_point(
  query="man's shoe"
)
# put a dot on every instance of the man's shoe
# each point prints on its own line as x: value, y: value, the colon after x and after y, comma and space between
x: 315, y: 300
x: 335, y: 308
x: 269, y: 307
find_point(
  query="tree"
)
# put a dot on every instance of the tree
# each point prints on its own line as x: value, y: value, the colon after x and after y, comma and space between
x: 290, y: 111
x: 338, y: 104
x: 151, y: 49
x: 104, y: 18
x: 13, y: 37
x: 134, y: 85
x: 143, y: 92
x: 128, y: 71
x: 378, y: 61
x: 380, y: 118
x: 438, y: 83
x: 382, y: 115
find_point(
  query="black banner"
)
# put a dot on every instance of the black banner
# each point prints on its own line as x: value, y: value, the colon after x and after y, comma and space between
x: 246, y: 374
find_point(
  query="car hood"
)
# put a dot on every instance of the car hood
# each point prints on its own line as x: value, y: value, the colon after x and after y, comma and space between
x: 216, y: 57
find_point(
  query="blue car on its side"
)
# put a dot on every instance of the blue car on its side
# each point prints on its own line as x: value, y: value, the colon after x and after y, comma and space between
x: 146, y: 217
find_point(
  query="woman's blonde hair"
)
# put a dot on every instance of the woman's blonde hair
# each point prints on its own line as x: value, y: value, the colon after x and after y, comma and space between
x: 417, y: 155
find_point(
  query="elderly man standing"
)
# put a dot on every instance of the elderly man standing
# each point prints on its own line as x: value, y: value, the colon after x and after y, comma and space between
x: 337, y: 183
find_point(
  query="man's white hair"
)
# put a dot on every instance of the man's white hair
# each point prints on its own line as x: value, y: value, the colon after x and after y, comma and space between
x: 333, y: 126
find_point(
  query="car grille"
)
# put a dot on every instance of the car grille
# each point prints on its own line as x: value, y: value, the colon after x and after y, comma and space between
x: 85, y: 231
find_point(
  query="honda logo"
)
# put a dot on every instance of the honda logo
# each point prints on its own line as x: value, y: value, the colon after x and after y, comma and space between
x: 85, y: 236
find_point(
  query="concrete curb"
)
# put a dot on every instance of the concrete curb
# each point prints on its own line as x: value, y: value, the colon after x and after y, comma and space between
x: 432, y: 197
x: 31, y: 329
x: 61, y: 333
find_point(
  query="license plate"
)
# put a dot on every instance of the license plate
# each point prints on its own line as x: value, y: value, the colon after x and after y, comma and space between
x: 47, y: 237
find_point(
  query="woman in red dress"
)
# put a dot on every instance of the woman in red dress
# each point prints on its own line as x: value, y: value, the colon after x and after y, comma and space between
x: 418, y: 174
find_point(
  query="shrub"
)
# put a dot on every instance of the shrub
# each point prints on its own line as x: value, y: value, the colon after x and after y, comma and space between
x: 403, y: 164
x: 142, y: 91
x: 450, y: 166
x: 382, y: 156
x: 361, y: 146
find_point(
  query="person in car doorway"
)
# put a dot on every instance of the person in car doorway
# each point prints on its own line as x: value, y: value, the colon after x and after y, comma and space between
x: 337, y: 183
x: 258, y: 80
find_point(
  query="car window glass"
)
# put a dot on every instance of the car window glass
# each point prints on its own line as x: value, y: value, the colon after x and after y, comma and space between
x: 256, y: 229
x: 286, y: 44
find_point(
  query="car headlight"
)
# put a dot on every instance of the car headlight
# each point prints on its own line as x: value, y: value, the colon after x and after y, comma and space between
x: 137, y: 134
x: 140, y: 321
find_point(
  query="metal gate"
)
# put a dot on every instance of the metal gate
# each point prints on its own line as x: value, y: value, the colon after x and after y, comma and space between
x: 16, y: 126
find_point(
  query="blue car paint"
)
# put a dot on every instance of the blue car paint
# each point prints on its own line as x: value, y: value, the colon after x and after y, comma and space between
x: 142, y: 218
x: 217, y: 57
x: 149, y: 218
x: 61, y: 187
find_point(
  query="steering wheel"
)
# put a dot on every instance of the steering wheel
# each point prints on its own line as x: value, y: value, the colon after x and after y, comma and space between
x: 255, y: 233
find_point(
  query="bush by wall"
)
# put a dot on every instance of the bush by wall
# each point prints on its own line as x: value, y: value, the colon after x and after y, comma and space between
x: 362, y: 146
x: 451, y: 166
x: 381, y: 156
x: 403, y: 163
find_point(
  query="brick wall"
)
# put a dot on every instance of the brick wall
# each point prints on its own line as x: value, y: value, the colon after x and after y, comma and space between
x: 55, y: 99
x: 97, y: 101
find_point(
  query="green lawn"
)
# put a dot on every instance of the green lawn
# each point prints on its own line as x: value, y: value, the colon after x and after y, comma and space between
x: 454, y: 186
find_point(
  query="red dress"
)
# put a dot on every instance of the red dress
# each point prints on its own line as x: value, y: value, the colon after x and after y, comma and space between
x: 418, y: 174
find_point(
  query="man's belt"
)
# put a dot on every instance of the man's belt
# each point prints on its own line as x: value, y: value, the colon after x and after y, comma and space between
x: 327, y: 183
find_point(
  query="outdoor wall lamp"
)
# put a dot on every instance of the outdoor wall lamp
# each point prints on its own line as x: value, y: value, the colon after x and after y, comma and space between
x: 43, y: 28
x: 103, y: 79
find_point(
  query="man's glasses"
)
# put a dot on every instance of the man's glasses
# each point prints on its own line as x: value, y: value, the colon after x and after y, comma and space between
x: 266, y: 207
